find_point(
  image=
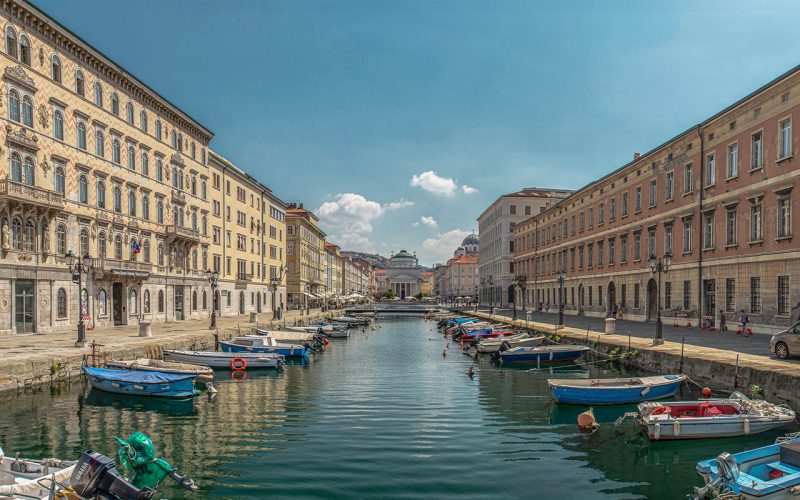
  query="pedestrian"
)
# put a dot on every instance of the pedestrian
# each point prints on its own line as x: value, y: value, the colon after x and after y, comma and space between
x: 621, y: 310
x: 723, y: 327
x: 744, y: 324
x: 614, y: 310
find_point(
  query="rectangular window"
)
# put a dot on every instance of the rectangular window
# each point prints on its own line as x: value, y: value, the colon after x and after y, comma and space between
x: 687, y: 294
x: 755, y: 295
x: 636, y: 296
x: 785, y: 145
x: 730, y: 227
x: 591, y: 218
x: 513, y: 209
x: 756, y: 222
x: 637, y: 247
x: 668, y: 240
x: 623, y: 296
x: 668, y: 295
x: 580, y: 222
x: 711, y: 170
x: 651, y: 243
x: 637, y: 197
x: 600, y: 210
x: 623, y: 250
x: 590, y: 296
x: 669, y: 190
x: 687, y: 236
x: 572, y: 225
x: 653, y: 193
x: 708, y: 231
x: 784, y: 210
x: 783, y: 295
x: 599, y: 253
x: 612, y: 209
x: 730, y: 295
x: 756, y: 151
x: 580, y: 257
x: 687, y: 179
x: 589, y: 255
x: 611, y: 251
x: 733, y: 160
x: 624, y: 207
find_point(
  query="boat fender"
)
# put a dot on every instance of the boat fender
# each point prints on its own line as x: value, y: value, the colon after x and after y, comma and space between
x: 238, y: 364
x: 657, y: 432
x: 551, y: 355
x: 676, y: 427
x: 746, y: 426
x: 645, y: 391
x: 661, y: 410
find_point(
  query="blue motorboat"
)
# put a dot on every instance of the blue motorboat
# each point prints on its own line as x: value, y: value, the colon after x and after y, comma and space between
x: 614, y: 391
x: 768, y: 472
x: 542, y: 354
x: 143, y: 383
x: 257, y: 343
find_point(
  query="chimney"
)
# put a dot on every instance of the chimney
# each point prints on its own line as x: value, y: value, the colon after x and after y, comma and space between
x: 636, y: 156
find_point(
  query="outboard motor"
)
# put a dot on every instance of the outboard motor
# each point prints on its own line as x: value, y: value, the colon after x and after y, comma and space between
x: 727, y: 475
x: 96, y: 476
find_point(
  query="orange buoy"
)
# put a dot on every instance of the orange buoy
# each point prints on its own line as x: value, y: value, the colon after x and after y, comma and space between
x: 706, y: 392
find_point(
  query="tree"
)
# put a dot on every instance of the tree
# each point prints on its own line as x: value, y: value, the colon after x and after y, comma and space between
x: 388, y: 294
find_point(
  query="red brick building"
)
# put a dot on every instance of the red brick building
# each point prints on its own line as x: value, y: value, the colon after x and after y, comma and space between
x: 718, y: 198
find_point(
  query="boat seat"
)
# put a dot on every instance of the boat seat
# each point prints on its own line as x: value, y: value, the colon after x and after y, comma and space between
x: 786, y: 469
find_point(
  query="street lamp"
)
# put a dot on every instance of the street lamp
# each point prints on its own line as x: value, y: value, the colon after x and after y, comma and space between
x: 520, y: 280
x: 514, y: 286
x: 659, y: 265
x: 476, y: 298
x: 274, y: 284
x: 561, y: 275
x: 213, y: 280
x: 78, y: 267
x: 490, y: 282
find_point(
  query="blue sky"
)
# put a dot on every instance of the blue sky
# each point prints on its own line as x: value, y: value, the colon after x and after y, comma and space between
x: 400, y: 121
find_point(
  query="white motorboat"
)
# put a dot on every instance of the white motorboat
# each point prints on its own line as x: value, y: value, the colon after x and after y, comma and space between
x: 26, y: 478
x: 225, y: 359
x: 732, y: 417
x: 521, y: 340
x: 158, y: 365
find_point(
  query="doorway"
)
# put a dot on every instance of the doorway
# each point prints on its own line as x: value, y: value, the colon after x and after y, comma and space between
x: 652, y: 299
x: 241, y: 302
x: 709, y: 300
x: 612, y: 299
x: 179, y: 302
x: 24, y: 300
x: 117, y: 303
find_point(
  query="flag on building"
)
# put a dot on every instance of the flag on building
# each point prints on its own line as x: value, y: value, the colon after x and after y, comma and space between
x: 135, y: 247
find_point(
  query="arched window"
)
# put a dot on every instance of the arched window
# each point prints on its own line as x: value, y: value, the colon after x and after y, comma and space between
x: 29, y: 238
x: 58, y: 125
x: 129, y: 112
x: 161, y: 301
x: 193, y: 150
x: 28, y: 173
x: 80, y: 86
x: 158, y: 129
x: 194, y: 220
x: 194, y: 184
x: 25, y: 50
x: 82, y: 135
x: 55, y: 68
x: 61, y: 239
x: 159, y: 170
x: 99, y: 143
x: 160, y: 255
x: 132, y: 302
x: 27, y: 111
x: 132, y: 202
x: 60, y: 182
x: 174, y: 139
x: 160, y: 212
x: 133, y: 254
x: 13, y: 105
x: 146, y: 207
x: 194, y: 260
x: 61, y: 303
x: 146, y: 251
x: 194, y: 300
x: 84, y: 241
x: 83, y: 189
x: 115, y: 103
x: 204, y: 226
x: 146, y: 302
x: 16, y: 167
x: 16, y: 235
x: 116, y: 151
x: 118, y: 247
x: 102, y: 245
x: 145, y: 164
x: 117, y: 199
x: 180, y: 142
x: 11, y: 42
x: 131, y: 158
x: 205, y: 260
x: 101, y: 194
x: 143, y: 120
x: 203, y: 189
x: 102, y: 303
x: 98, y: 94
x: 203, y: 156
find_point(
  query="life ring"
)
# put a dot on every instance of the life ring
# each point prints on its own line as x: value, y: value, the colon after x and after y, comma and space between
x: 238, y: 364
x: 661, y: 410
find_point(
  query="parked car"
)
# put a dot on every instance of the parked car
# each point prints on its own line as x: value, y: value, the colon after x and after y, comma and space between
x: 787, y: 342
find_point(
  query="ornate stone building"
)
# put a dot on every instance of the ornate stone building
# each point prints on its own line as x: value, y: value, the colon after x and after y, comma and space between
x: 404, y: 275
x: 305, y: 255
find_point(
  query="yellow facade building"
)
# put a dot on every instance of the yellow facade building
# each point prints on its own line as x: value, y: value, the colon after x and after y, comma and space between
x: 305, y: 258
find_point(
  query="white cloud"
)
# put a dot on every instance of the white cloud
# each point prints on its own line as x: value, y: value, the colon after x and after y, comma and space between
x: 349, y: 217
x: 426, y: 221
x: 441, y: 247
x: 468, y: 189
x: 433, y: 183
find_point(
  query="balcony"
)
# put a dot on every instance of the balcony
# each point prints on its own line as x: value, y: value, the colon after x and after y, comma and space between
x: 31, y: 195
x: 176, y: 232
x: 245, y: 277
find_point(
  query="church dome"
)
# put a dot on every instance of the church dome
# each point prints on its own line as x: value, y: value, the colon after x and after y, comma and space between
x: 472, y: 239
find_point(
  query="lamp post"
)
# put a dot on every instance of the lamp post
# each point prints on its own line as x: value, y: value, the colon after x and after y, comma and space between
x: 561, y: 275
x: 213, y: 280
x: 521, y: 285
x: 490, y: 282
x: 514, y: 286
x: 78, y: 267
x: 476, y: 298
x: 274, y: 284
x: 659, y: 265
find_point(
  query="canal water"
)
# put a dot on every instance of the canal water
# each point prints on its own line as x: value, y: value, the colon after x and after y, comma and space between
x: 381, y: 415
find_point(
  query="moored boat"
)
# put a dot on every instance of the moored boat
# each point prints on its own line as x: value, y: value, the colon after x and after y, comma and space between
x: 732, y: 417
x: 157, y: 365
x: 310, y: 328
x: 612, y: 391
x: 224, y: 359
x: 26, y: 478
x: 144, y: 383
x: 542, y: 354
x: 521, y: 340
x: 262, y: 344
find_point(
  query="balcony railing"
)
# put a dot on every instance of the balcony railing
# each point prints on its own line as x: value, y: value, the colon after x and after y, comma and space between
x: 31, y: 194
x: 176, y: 231
x: 244, y: 276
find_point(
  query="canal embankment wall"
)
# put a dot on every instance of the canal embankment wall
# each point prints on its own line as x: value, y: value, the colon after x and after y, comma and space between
x: 722, y: 370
